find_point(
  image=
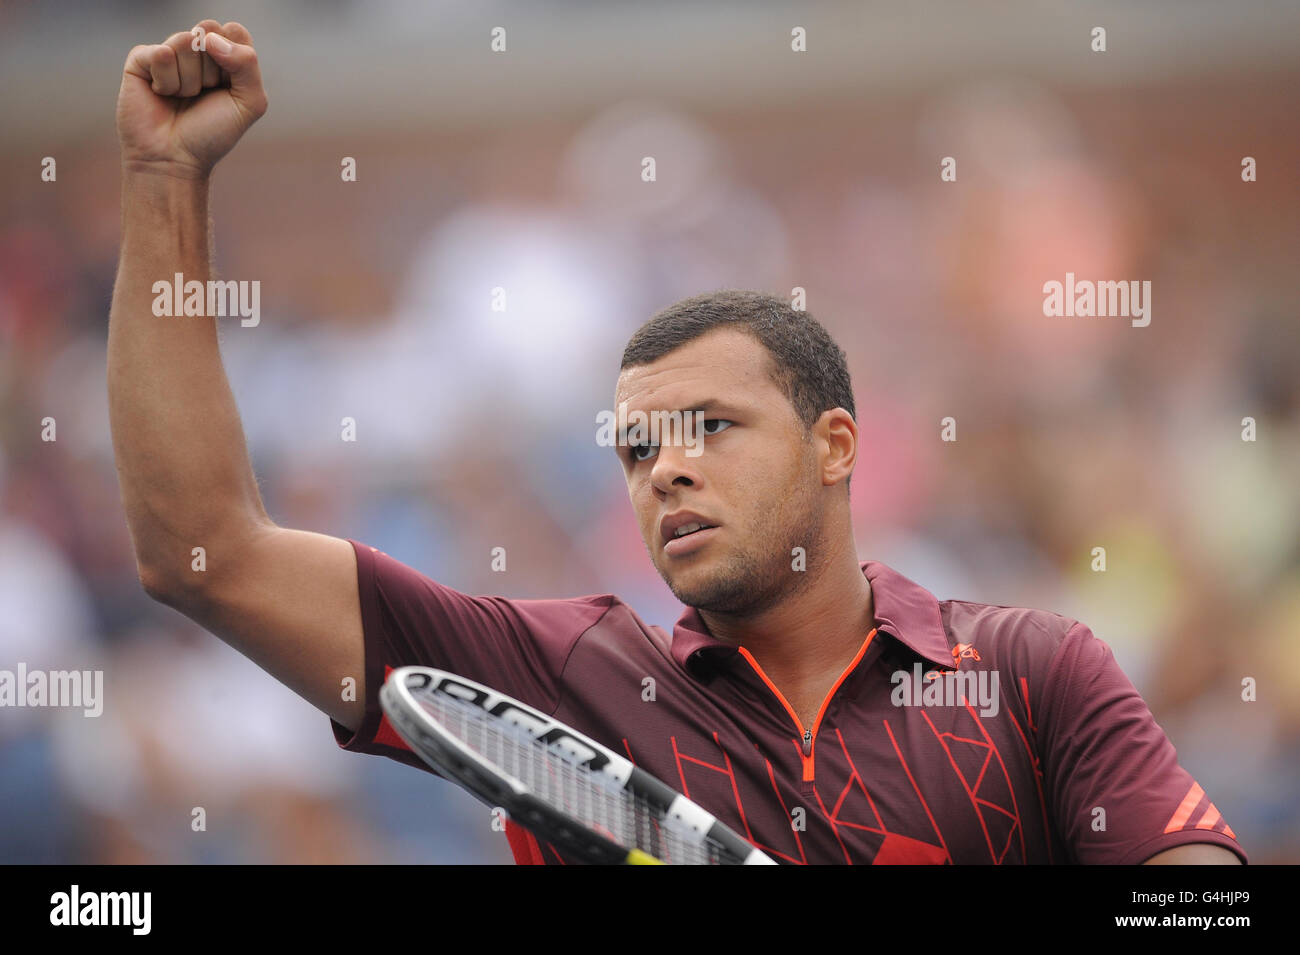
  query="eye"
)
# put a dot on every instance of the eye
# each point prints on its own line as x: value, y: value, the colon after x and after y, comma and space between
x: 636, y: 449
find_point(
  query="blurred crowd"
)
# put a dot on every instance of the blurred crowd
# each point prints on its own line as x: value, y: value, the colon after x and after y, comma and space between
x: 476, y: 427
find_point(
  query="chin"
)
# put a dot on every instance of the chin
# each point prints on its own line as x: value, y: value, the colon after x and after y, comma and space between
x: 689, y: 584
x: 710, y: 591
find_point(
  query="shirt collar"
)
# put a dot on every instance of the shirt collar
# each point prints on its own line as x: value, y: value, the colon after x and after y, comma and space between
x: 903, y: 609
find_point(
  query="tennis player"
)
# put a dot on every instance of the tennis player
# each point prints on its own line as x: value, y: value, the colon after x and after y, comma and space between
x: 805, y: 697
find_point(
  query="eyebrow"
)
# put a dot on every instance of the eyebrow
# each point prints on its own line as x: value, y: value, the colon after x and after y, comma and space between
x: 710, y: 404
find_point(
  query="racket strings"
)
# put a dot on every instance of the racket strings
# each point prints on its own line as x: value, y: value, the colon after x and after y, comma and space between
x: 597, y: 801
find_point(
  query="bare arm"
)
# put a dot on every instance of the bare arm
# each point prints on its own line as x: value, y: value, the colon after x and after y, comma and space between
x: 1197, y: 853
x: 286, y: 599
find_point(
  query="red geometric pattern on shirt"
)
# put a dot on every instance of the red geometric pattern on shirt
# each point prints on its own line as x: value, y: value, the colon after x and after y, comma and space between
x: 683, y: 759
x: 727, y: 770
x: 893, y: 848
x: 1031, y: 750
x: 988, y: 787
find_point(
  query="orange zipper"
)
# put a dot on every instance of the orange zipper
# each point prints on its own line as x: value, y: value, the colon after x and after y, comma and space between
x: 809, y: 736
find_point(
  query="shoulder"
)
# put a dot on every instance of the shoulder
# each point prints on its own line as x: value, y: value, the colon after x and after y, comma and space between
x: 1022, y: 639
x: 394, y: 582
x: 620, y: 632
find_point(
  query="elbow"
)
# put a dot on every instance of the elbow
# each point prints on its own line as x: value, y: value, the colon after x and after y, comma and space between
x: 153, y: 583
x: 178, y: 575
x: 164, y: 588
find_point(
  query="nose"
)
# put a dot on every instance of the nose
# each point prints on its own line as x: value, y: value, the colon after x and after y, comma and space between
x: 673, y: 468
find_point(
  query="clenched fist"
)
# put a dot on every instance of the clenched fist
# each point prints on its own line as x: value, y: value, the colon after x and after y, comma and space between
x: 185, y: 103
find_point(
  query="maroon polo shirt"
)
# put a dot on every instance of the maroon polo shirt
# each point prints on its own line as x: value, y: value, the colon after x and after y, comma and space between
x: 1064, y: 763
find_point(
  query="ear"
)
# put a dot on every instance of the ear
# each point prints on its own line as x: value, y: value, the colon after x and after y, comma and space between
x: 836, y: 435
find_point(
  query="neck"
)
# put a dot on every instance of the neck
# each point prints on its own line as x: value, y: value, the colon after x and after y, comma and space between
x: 819, y: 627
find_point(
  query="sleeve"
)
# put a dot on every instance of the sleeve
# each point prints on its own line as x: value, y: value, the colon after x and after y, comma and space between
x: 1102, y: 750
x: 516, y: 646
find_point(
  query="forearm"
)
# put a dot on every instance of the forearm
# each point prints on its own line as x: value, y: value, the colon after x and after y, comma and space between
x: 182, y: 461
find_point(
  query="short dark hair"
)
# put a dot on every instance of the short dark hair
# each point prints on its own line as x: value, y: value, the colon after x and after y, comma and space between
x: 807, y: 364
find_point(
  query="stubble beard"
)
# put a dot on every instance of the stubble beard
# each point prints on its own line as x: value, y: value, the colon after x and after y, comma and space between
x: 748, y: 580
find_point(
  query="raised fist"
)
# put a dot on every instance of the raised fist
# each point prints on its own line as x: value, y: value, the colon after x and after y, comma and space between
x: 184, y: 103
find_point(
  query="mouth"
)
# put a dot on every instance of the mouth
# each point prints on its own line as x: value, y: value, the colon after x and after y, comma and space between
x: 685, y: 532
x: 689, y: 543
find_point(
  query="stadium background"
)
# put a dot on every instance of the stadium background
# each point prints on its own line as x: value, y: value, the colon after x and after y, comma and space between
x: 476, y: 428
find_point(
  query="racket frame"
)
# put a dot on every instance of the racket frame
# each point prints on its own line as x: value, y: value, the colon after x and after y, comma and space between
x: 451, y: 758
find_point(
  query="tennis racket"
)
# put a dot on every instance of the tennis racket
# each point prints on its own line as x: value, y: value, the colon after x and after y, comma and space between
x: 562, y: 786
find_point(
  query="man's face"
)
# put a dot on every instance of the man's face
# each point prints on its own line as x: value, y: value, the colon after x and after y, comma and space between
x: 756, y: 480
